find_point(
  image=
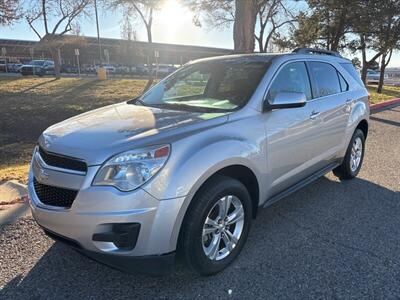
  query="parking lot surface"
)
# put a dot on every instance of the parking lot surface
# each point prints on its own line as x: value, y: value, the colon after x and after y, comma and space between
x: 332, y: 239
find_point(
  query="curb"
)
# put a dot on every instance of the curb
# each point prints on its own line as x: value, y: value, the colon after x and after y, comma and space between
x: 383, y: 105
x: 13, y: 202
x: 12, y: 190
x: 14, y: 212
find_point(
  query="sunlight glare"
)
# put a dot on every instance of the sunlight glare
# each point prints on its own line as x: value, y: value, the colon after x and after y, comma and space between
x: 173, y: 11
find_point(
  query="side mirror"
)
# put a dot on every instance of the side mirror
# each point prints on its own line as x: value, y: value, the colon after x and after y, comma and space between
x: 286, y: 100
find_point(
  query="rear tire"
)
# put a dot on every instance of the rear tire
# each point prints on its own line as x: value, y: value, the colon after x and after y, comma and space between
x: 354, y: 157
x: 210, y: 239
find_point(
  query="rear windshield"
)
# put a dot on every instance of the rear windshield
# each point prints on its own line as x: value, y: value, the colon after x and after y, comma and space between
x: 352, y: 71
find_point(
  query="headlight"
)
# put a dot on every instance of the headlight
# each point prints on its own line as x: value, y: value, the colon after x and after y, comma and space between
x: 129, y: 170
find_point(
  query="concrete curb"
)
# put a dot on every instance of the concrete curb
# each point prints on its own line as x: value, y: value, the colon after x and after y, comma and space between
x: 13, y: 212
x: 13, y: 202
x: 384, y: 105
x: 12, y: 190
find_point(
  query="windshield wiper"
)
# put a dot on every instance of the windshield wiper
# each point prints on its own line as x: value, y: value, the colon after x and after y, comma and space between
x: 135, y: 101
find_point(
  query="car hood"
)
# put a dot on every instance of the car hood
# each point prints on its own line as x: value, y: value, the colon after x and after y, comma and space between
x: 96, y: 135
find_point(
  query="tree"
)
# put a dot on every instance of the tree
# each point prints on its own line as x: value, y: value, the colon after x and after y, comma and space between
x: 219, y: 13
x: 364, y: 23
x: 128, y: 54
x: 244, y: 25
x: 376, y: 25
x: 9, y: 11
x: 356, y: 62
x: 325, y: 26
x: 387, y: 36
x: 144, y: 10
x: 215, y: 13
x: 54, y: 18
x: 272, y: 16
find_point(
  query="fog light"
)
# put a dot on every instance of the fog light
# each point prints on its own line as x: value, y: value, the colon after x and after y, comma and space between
x: 123, y: 235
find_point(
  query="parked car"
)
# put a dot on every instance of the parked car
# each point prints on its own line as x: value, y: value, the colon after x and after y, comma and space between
x: 110, y: 69
x: 374, y: 76
x: 14, y: 67
x: 3, y: 65
x: 38, y: 67
x: 185, y: 167
x: 142, y: 70
x: 70, y: 69
x: 163, y: 70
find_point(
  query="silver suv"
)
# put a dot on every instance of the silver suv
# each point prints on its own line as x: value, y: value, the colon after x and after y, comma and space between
x: 184, y: 168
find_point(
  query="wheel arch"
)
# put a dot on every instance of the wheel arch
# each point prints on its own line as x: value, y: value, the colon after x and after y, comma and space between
x: 237, y: 171
x: 363, y: 126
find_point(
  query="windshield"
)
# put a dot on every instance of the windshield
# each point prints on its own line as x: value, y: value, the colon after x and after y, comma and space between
x: 37, y: 62
x: 208, y: 86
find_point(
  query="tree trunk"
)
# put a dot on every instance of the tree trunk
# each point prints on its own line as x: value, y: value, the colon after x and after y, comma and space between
x: 57, y: 66
x: 363, y: 59
x: 150, y: 78
x: 244, y: 25
x: 382, y: 74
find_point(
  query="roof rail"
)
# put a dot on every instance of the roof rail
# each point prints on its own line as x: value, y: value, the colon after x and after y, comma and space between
x: 316, y: 51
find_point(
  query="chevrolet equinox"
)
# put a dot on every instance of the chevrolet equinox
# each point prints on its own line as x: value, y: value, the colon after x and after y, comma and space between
x: 184, y: 168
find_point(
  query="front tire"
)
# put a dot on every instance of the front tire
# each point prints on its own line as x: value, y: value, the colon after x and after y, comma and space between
x: 354, y: 157
x: 216, y: 226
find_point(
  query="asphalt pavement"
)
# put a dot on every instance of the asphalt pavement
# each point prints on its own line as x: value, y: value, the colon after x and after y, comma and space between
x: 332, y: 239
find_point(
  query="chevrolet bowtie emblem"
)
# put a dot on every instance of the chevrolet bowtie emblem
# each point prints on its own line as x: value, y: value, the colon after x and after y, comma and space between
x: 42, y: 175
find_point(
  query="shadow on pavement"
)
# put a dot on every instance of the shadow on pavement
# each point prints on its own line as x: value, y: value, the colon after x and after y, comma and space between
x: 331, y: 239
x: 386, y: 121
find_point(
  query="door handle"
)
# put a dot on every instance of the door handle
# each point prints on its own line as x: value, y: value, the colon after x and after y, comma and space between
x: 314, y: 115
x: 348, y: 101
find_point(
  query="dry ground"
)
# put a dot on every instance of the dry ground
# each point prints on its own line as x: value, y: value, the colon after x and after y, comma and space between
x: 30, y: 105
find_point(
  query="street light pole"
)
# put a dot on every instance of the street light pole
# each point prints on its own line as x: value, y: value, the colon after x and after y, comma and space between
x: 98, y: 31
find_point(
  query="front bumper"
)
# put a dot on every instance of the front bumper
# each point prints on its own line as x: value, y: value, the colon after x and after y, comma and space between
x: 150, y: 264
x: 97, y: 209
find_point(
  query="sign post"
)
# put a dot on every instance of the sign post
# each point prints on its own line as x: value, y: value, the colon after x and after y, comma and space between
x: 77, y: 59
x: 157, y: 55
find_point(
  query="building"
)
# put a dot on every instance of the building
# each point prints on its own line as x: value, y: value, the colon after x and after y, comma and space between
x: 114, y: 51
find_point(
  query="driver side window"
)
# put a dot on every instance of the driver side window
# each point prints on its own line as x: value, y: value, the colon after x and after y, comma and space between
x: 291, y: 78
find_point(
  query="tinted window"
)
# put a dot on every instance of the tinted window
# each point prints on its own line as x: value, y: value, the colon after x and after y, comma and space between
x: 326, y: 81
x: 344, y: 86
x: 352, y: 71
x: 291, y: 78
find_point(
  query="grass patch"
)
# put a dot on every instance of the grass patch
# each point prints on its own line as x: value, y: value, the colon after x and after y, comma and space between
x: 388, y: 93
x: 30, y: 105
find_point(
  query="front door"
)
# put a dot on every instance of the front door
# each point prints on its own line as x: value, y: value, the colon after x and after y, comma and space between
x: 291, y: 132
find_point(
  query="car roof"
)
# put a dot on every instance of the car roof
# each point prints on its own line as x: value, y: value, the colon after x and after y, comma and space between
x: 266, y: 57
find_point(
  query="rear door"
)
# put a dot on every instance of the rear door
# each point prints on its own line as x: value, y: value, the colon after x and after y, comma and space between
x: 329, y: 111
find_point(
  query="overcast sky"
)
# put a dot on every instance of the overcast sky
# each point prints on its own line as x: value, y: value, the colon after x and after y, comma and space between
x: 173, y: 24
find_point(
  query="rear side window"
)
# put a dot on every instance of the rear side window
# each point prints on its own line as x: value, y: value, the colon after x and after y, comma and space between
x: 344, y: 86
x: 352, y: 71
x: 326, y: 80
x: 291, y: 78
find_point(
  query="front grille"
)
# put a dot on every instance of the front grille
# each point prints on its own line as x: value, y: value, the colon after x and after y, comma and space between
x: 64, y: 162
x: 54, y: 196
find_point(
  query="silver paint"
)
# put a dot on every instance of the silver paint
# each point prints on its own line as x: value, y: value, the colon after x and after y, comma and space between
x: 280, y: 147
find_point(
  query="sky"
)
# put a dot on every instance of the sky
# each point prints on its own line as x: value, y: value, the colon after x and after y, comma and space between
x: 172, y: 24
